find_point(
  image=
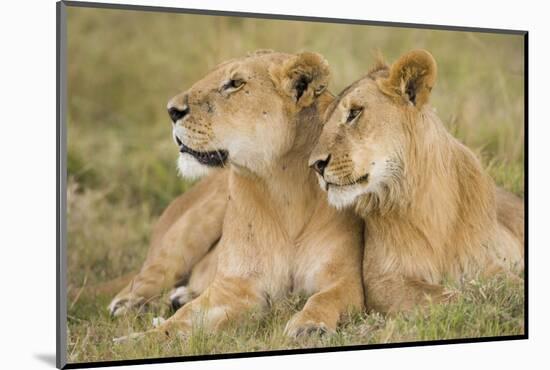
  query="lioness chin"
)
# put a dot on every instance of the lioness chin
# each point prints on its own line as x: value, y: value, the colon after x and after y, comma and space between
x: 431, y: 211
x: 259, y: 117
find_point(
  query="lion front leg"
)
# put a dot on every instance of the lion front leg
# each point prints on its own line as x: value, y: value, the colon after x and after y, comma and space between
x: 323, y: 310
x: 330, y: 267
x: 201, y: 277
x: 174, y: 254
x: 225, y: 300
x: 390, y: 294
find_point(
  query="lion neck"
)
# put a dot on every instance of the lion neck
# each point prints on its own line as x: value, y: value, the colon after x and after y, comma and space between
x: 287, y: 189
x: 445, y: 208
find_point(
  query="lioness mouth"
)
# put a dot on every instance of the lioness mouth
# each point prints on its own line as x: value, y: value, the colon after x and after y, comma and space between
x: 214, y: 158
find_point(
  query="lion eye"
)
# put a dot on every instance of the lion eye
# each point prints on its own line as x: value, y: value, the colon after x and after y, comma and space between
x: 233, y: 84
x: 353, y: 114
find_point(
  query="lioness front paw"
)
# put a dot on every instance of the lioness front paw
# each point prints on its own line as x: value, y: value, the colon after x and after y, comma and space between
x: 158, y: 321
x: 180, y: 296
x: 128, y: 337
x: 299, y: 326
x: 121, y: 305
x: 153, y: 334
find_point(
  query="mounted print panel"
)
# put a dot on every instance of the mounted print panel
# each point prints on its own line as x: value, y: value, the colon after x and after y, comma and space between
x: 236, y: 185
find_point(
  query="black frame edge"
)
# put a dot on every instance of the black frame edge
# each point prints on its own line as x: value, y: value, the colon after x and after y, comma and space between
x: 526, y: 182
x: 61, y: 91
x: 302, y: 351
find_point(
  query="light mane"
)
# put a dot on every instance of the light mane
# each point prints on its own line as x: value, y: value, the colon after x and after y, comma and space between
x: 437, y: 194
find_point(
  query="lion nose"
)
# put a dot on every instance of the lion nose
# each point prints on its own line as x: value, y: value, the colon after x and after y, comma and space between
x: 320, y: 165
x: 177, y: 113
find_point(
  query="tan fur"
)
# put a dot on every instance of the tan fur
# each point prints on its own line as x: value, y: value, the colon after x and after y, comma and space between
x: 182, y: 236
x: 432, y: 212
x: 187, y: 229
x: 279, y: 233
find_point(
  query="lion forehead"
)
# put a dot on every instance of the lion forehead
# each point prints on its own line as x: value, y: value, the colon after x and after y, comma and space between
x: 253, y: 66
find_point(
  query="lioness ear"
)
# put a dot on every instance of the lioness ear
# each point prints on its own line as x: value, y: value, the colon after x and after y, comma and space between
x: 412, y: 77
x: 303, y: 77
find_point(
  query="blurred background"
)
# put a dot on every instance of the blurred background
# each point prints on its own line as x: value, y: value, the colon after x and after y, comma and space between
x: 123, y: 66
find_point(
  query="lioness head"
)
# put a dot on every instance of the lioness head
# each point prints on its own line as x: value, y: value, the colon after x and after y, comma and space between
x: 244, y: 111
x: 363, y: 150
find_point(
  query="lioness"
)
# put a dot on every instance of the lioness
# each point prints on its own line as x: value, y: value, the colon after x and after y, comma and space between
x: 260, y: 117
x: 431, y: 211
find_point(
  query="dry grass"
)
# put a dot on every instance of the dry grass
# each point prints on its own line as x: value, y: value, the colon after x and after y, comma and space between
x: 122, y: 68
x: 483, y: 309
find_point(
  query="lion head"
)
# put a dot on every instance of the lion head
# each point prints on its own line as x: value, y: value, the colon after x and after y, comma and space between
x: 372, y: 132
x: 244, y: 112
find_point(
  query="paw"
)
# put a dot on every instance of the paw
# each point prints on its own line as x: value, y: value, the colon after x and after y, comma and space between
x: 127, y: 338
x: 162, y: 331
x: 158, y: 321
x: 120, y: 305
x: 150, y: 334
x: 180, y: 296
x: 299, y: 327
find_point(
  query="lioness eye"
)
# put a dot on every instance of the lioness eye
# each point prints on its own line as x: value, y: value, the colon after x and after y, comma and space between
x: 353, y: 114
x: 233, y: 84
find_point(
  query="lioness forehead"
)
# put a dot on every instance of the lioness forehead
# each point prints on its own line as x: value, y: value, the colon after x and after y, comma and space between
x: 258, y: 61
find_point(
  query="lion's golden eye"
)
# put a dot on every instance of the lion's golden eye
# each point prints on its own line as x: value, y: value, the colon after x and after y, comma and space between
x: 353, y: 114
x: 233, y: 84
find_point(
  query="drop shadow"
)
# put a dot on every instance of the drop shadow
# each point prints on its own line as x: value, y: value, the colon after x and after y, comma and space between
x: 47, y: 358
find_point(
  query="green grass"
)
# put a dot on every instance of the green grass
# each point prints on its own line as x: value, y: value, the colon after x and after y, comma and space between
x: 482, y: 309
x: 122, y: 69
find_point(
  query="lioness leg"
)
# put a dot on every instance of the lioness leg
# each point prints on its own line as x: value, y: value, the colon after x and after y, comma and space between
x: 388, y: 293
x: 324, y: 309
x: 333, y: 263
x: 225, y: 299
x: 188, y: 228
x: 201, y: 277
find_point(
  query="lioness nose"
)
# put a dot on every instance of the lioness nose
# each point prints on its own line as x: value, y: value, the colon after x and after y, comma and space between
x: 320, y: 165
x: 177, y: 113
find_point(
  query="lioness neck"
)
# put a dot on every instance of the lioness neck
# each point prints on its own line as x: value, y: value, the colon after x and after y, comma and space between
x: 286, y: 190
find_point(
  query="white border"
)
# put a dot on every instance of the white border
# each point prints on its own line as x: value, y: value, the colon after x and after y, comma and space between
x: 28, y: 182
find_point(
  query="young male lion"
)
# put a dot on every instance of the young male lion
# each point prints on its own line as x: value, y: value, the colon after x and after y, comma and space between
x: 431, y: 211
x: 260, y: 116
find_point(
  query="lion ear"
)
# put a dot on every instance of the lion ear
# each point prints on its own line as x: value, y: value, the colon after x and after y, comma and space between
x: 303, y: 77
x: 412, y: 77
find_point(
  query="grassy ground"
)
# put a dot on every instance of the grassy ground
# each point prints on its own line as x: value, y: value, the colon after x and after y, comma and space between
x: 122, y: 69
x: 488, y: 308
